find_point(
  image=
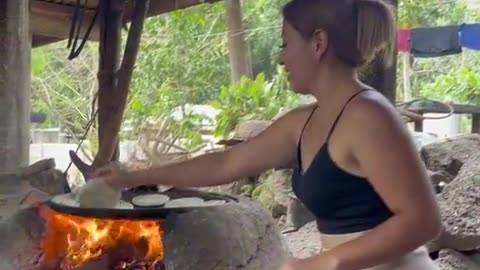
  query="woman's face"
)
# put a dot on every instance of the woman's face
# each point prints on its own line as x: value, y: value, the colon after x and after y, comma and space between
x: 301, y: 58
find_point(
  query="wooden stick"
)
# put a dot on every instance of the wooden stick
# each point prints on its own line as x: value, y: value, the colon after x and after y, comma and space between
x: 119, y: 96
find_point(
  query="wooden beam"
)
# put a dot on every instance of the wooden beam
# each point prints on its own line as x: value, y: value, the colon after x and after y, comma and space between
x: 15, y: 58
x: 38, y: 41
x: 160, y: 7
x: 54, y: 20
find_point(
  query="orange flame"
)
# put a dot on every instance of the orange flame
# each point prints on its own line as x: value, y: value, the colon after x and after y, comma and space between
x: 78, y: 240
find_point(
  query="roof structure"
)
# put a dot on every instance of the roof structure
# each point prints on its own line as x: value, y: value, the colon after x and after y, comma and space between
x: 51, y: 20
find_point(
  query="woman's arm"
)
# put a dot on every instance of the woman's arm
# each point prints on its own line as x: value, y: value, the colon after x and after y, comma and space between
x: 274, y: 147
x: 387, y: 156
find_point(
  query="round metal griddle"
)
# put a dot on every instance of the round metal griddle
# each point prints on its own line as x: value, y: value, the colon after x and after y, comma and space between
x: 140, y: 213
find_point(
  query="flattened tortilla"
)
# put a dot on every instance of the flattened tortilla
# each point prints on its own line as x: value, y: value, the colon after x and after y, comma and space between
x: 70, y: 201
x: 124, y: 205
x: 150, y: 200
x: 184, y: 202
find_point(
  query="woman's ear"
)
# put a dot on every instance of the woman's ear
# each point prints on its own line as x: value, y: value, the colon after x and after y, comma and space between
x: 320, y: 43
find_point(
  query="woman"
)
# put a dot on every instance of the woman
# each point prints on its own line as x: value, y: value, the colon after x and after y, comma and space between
x: 357, y: 168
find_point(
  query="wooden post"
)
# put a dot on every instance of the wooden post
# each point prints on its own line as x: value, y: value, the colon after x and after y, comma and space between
x: 109, y: 53
x: 15, y: 51
x: 237, y: 44
x: 475, y: 123
x: 407, y: 87
x: 117, y: 99
x: 418, y: 124
x: 114, y: 81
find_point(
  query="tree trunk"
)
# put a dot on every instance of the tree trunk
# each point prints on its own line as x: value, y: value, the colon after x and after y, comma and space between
x: 238, y: 47
x: 15, y: 50
x: 382, y: 77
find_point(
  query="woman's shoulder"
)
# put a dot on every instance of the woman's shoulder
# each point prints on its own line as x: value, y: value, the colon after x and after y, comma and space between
x: 298, y: 113
x: 372, y: 109
x: 292, y: 121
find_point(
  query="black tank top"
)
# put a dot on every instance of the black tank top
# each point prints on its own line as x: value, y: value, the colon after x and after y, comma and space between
x: 341, y: 202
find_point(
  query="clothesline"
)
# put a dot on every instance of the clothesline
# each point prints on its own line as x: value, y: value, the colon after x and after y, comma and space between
x: 439, y: 41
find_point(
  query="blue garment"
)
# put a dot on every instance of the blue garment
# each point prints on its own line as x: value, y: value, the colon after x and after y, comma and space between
x: 470, y: 36
x: 436, y: 41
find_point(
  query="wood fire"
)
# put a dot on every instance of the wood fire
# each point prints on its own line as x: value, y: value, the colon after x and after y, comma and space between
x: 71, y: 242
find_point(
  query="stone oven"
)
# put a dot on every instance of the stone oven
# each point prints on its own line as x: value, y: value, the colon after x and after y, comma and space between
x: 206, y: 231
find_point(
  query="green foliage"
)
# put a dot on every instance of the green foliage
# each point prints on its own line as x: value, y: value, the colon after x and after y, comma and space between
x: 264, y: 193
x: 64, y: 89
x: 427, y: 13
x: 184, y: 60
x: 257, y: 99
x: 441, y: 78
x: 462, y: 85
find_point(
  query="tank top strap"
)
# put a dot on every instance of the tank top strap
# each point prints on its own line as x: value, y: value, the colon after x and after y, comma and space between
x: 341, y: 112
x: 306, y: 123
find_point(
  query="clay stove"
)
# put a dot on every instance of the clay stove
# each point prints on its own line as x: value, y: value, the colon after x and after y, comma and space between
x: 123, y: 238
x: 239, y: 234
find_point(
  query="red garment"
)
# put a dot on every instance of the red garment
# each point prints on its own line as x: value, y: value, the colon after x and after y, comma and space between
x: 404, y: 40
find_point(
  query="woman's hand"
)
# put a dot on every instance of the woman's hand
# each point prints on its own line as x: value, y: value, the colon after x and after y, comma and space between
x: 113, y: 176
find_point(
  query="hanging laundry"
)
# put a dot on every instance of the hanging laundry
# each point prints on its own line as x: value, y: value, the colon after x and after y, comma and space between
x: 470, y: 36
x: 404, y: 40
x: 436, y: 41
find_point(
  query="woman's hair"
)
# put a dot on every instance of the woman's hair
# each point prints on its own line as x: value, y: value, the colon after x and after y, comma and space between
x: 358, y: 30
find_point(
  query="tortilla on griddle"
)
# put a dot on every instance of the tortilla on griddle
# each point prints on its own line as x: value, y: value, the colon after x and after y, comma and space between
x: 184, y: 202
x: 70, y: 201
x: 150, y: 200
x: 124, y: 205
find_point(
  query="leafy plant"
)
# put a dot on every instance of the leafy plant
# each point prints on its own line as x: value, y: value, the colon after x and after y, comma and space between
x: 248, y: 99
x: 462, y: 85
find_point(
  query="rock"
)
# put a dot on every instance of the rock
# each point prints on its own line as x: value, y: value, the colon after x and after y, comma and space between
x: 460, y: 208
x: 15, y: 195
x: 453, y: 260
x: 20, y: 240
x: 439, y: 177
x: 450, y: 154
x: 235, y: 236
x: 297, y: 215
x: 455, y: 161
x: 282, y: 186
x: 439, y: 180
x: 305, y: 242
x: 278, y: 210
x: 51, y: 181
x: 37, y: 167
x: 42, y: 176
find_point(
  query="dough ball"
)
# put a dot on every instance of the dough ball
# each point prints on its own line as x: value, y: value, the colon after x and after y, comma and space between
x: 97, y: 194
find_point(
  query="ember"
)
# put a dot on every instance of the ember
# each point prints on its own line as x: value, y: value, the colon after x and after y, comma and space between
x: 73, y: 242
